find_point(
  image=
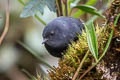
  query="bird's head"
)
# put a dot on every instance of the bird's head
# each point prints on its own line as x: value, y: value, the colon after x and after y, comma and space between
x: 54, y: 35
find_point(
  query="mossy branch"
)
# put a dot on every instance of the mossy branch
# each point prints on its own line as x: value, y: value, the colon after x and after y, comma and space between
x: 73, y: 63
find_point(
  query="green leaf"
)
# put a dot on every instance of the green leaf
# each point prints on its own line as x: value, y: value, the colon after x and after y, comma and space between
x: 116, y: 20
x: 92, y: 40
x: 37, y: 5
x: 85, y: 7
x: 110, y: 37
x: 89, y: 9
x: 80, y: 12
x: 71, y: 2
x: 21, y: 2
x: 107, y: 45
x: 93, y: 18
x: 36, y: 16
x: 74, y: 2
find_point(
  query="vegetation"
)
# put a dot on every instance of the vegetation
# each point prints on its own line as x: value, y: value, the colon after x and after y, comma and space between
x: 95, y: 56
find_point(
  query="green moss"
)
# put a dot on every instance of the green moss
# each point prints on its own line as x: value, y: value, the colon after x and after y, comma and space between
x: 75, y: 53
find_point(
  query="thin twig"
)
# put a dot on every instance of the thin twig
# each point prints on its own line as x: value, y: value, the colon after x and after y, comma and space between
x: 59, y: 2
x: 6, y: 24
x: 57, y: 8
x: 91, y: 67
x: 42, y: 21
x: 80, y: 66
x: 66, y: 7
x: 34, y: 54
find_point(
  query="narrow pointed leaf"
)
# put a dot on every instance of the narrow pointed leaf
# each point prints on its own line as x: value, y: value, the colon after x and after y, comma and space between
x: 89, y: 9
x: 92, y: 40
x: 80, y: 12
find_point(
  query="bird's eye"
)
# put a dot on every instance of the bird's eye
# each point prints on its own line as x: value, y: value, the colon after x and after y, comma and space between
x: 52, y: 33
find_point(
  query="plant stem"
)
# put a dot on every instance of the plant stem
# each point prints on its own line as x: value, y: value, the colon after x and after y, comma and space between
x: 106, y: 48
x: 107, y: 45
x: 22, y: 2
x: 6, y: 24
x: 36, y: 16
x: 59, y: 3
x: 33, y: 53
x: 87, y: 71
x: 69, y: 8
x: 57, y: 8
x: 66, y: 7
x: 116, y: 20
x: 80, y: 66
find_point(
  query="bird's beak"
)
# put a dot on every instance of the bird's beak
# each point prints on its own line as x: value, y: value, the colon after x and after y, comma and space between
x: 44, y: 40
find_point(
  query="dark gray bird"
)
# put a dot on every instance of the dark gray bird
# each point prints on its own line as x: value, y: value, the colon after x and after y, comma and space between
x: 59, y: 33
